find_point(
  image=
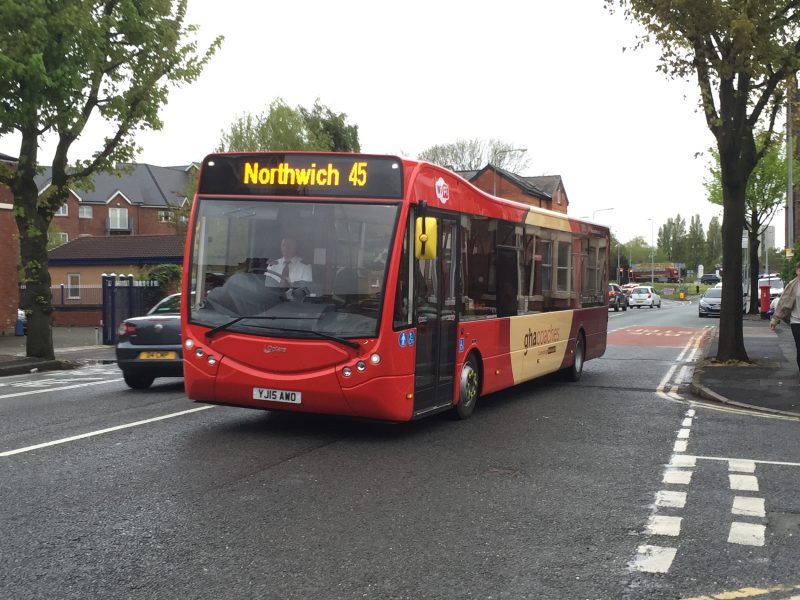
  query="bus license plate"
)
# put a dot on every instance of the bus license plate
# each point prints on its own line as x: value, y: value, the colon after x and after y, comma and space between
x: 276, y: 395
x: 157, y: 355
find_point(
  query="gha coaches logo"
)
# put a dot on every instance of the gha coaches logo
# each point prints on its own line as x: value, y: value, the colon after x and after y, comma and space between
x: 541, y: 338
x: 442, y: 190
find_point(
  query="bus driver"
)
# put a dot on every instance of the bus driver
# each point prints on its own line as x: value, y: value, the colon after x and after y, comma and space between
x: 289, y: 268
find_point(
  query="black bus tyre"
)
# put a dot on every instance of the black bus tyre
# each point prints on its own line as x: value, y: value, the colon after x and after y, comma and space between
x: 574, y: 371
x: 469, y: 387
x: 137, y: 382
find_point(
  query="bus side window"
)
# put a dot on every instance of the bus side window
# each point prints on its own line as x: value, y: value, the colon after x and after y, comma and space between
x: 402, y: 313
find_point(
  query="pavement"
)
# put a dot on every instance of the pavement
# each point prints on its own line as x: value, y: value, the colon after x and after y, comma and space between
x: 74, y: 347
x: 771, y: 383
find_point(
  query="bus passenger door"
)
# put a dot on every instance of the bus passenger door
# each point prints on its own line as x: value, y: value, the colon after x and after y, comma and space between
x: 435, y: 312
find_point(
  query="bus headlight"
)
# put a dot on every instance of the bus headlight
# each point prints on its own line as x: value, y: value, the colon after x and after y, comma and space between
x: 375, y: 358
x: 189, y: 343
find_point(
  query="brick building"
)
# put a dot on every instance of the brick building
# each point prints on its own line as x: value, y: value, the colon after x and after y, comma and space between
x: 545, y: 191
x: 141, y: 200
x: 9, y: 259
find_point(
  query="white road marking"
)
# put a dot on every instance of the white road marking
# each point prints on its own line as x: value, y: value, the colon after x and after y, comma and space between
x: 690, y: 412
x: 745, y: 483
x: 759, y: 462
x: 57, y: 389
x: 747, y: 534
x: 683, y: 434
x: 687, y: 422
x: 654, y: 559
x: 682, y: 460
x: 663, y: 525
x: 677, y: 477
x: 742, y: 466
x: 749, y: 507
x: 102, y: 431
x: 669, y: 499
x: 680, y: 446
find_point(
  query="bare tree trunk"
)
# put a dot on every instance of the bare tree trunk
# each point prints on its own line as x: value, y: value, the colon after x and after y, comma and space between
x: 32, y: 226
x: 753, y: 249
x: 731, y: 338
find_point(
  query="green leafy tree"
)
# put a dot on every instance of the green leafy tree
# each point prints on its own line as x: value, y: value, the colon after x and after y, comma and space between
x: 671, y: 239
x: 61, y: 63
x: 282, y: 127
x: 742, y: 54
x: 695, y: 244
x: 765, y: 194
x: 788, y: 271
x: 472, y: 155
x: 713, y: 255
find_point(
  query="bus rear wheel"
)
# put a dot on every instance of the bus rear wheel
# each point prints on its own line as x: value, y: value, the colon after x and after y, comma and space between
x: 469, y: 388
x: 575, y: 371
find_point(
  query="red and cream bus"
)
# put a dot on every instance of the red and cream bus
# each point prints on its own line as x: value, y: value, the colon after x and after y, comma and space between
x: 379, y: 287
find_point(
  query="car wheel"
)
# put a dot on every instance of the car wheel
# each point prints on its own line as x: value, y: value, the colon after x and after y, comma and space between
x: 574, y: 372
x: 469, y: 388
x: 624, y: 307
x: 138, y: 382
x: 616, y: 306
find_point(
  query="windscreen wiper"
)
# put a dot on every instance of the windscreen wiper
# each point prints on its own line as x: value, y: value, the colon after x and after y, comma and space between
x: 321, y: 334
x: 210, y: 333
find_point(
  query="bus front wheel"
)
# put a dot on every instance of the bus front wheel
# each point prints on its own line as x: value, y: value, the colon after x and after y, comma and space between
x: 575, y: 371
x: 469, y: 388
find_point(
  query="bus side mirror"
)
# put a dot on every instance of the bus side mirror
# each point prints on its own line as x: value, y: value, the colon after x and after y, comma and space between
x: 425, y: 238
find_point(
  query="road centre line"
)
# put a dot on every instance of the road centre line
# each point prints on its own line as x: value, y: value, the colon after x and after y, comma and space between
x: 758, y: 462
x: 58, y: 389
x: 102, y: 431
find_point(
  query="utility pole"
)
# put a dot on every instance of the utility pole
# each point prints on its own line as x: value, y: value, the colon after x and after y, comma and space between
x: 789, y: 160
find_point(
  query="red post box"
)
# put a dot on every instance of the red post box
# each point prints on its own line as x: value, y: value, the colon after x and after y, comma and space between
x: 764, y: 299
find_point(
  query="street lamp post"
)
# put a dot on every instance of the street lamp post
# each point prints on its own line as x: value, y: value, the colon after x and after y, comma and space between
x: 495, y: 153
x: 652, y: 254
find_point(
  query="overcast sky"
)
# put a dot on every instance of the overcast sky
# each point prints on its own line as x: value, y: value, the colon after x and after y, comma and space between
x: 551, y: 77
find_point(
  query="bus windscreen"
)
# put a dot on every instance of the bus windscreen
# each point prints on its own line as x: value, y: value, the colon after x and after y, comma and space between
x: 290, y: 174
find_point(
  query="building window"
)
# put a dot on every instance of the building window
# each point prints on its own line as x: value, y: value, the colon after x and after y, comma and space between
x: 73, y: 286
x: 118, y: 218
x: 84, y: 212
x: 164, y: 216
x: 57, y: 238
x: 63, y: 211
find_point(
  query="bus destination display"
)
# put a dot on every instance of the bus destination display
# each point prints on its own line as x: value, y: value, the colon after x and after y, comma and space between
x: 268, y: 174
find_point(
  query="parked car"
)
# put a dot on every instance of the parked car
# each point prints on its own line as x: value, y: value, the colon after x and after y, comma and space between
x: 617, y: 298
x: 645, y: 295
x: 150, y: 346
x: 710, y: 303
x: 710, y: 279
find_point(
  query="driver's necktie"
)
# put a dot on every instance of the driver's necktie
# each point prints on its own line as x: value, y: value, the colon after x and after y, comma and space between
x: 285, y: 273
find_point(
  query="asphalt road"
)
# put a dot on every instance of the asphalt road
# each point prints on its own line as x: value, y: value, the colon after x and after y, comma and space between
x: 619, y: 486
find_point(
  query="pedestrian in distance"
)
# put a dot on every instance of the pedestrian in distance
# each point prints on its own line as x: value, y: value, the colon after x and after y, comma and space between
x: 788, y: 310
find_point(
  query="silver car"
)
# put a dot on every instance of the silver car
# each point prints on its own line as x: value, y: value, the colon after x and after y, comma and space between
x: 710, y: 303
x: 644, y: 295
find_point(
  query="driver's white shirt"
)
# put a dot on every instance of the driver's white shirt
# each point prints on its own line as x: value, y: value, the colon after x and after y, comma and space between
x: 298, y: 270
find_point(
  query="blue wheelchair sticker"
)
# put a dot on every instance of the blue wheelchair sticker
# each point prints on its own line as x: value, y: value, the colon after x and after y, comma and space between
x: 403, y: 339
x: 411, y: 338
x: 460, y: 344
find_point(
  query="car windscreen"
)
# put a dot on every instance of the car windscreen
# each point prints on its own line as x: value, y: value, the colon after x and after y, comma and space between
x: 713, y: 293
